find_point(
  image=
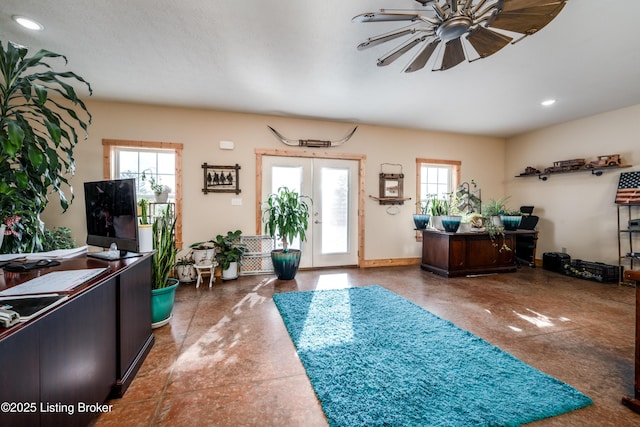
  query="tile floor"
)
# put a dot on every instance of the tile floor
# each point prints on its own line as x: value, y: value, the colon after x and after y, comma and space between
x: 226, y: 359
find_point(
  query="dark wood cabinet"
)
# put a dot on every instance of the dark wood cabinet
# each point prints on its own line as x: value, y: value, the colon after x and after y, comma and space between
x: 82, y: 351
x: 77, y: 353
x: 461, y: 254
x: 133, y: 323
x: 19, y: 379
x: 633, y: 402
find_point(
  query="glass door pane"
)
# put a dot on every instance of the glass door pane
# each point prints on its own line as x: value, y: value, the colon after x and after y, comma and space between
x: 335, y: 210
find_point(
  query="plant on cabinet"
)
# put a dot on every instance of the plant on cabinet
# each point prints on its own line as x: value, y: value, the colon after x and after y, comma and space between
x: 422, y: 216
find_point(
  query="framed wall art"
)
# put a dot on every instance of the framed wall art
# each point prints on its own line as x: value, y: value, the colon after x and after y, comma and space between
x: 221, y: 179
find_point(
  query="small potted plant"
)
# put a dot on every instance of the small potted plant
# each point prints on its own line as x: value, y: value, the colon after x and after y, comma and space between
x: 491, y: 213
x: 229, y: 253
x: 511, y: 219
x: 286, y: 214
x: 160, y: 191
x: 422, y: 216
x: 185, y: 269
x: 203, y: 252
x: 442, y: 218
x: 144, y: 228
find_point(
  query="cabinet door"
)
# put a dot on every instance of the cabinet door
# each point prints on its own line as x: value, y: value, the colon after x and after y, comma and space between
x: 19, y: 378
x: 134, y: 322
x: 77, y: 354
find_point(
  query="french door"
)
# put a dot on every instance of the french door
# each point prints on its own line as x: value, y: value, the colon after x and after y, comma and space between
x: 332, y: 184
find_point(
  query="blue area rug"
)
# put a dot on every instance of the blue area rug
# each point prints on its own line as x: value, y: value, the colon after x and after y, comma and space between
x: 376, y: 359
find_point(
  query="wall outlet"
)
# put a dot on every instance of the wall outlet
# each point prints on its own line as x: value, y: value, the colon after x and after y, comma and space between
x: 236, y: 201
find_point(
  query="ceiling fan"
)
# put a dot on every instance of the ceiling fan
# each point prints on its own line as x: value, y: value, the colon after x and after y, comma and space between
x: 464, y: 29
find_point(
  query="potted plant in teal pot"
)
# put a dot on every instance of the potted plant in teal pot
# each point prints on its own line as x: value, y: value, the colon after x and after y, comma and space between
x: 164, y: 258
x: 421, y: 218
x: 286, y: 215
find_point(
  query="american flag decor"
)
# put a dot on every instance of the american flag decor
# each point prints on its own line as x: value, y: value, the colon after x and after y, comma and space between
x: 628, y: 189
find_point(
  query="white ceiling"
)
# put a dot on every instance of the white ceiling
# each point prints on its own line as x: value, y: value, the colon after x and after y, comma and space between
x: 299, y: 58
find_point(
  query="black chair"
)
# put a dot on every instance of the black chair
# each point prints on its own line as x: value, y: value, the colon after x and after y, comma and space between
x: 526, y: 243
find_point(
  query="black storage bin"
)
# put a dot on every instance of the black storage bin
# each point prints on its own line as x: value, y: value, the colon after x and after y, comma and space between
x: 555, y: 261
x: 596, y: 271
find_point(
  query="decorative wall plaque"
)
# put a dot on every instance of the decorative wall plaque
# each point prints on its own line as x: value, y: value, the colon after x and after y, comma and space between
x: 391, y: 187
x: 221, y: 179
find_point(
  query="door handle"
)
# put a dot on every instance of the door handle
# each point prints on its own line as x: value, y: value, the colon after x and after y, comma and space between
x: 317, y: 222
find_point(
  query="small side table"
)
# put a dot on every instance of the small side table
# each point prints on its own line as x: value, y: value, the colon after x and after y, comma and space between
x: 205, y: 270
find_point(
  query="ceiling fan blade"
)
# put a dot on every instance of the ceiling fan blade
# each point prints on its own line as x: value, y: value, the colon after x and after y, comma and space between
x: 374, y: 41
x: 397, y: 53
x: 421, y: 58
x: 519, y: 5
x: 487, y: 42
x: 527, y: 21
x: 453, y: 54
x: 385, y: 17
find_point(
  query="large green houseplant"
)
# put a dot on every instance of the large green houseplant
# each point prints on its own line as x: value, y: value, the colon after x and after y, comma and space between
x: 40, y: 116
x: 162, y: 261
x: 286, y: 215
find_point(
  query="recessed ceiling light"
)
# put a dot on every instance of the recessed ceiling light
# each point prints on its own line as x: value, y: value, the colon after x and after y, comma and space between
x: 28, y: 23
x: 548, y: 102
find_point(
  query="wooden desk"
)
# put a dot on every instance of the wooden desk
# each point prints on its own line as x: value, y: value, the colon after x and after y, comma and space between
x: 81, y: 352
x: 634, y: 402
x: 462, y: 254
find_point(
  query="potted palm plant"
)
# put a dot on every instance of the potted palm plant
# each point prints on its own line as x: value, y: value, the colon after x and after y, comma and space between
x: 286, y: 215
x: 229, y: 253
x: 164, y: 256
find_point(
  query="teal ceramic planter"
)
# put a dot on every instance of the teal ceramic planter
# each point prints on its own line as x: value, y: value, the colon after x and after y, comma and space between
x: 450, y: 223
x: 286, y: 264
x: 162, y: 303
x: 421, y: 221
x: 510, y: 222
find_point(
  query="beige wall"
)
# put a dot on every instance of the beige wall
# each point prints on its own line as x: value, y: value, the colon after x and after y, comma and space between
x: 577, y: 210
x: 386, y: 236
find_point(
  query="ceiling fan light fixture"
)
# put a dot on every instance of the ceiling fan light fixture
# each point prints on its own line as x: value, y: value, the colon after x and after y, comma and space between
x: 548, y: 102
x: 463, y: 29
x: 28, y: 23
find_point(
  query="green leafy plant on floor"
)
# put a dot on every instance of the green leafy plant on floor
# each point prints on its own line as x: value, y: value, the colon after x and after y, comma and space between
x: 57, y: 238
x: 229, y: 249
x: 164, y: 246
x: 40, y: 115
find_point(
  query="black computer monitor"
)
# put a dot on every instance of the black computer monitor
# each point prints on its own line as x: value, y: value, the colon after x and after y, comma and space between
x: 111, y: 212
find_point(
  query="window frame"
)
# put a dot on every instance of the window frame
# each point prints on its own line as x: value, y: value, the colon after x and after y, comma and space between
x: 109, y: 147
x: 455, y: 166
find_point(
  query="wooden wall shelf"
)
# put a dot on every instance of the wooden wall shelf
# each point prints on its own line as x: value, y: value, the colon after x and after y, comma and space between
x: 596, y: 171
x: 390, y: 200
